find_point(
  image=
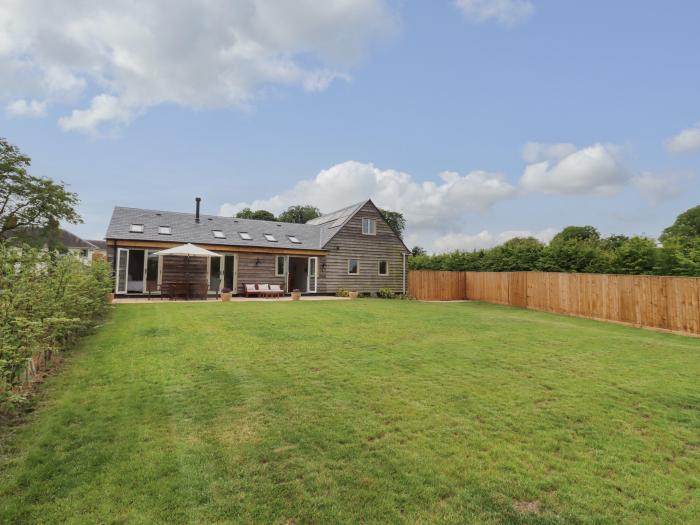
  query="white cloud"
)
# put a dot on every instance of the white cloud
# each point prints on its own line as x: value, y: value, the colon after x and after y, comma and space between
x: 687, y: 140
x: 22, y: 108
x: 505, y: 12
x: 193, y: 53
x: 596, y: 169
x: 658, y: 188
x: 428, y: 206
x: 486, y: 239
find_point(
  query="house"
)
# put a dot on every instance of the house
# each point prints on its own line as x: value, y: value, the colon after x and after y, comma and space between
x: 61, y: 239
x: 353, y: 248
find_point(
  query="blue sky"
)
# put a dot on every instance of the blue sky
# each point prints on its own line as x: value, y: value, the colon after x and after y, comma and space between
x: 427, y: 107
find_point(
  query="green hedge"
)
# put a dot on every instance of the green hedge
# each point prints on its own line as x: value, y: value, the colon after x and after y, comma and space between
x: 47, y: 300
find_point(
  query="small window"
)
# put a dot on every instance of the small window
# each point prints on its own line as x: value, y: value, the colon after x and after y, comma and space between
x: 218, y: 234
x: 245, y: 236
x: 164, y: 230
x: 281, y: 265
x: 136, y: 228
x: 369, y: 226
x: 270, y: 237
x: 294, y: 239
x: 383, y: 268
x: 353, y: 266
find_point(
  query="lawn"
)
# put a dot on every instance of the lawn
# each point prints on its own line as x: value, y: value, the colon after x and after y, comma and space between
x: 363, y: 411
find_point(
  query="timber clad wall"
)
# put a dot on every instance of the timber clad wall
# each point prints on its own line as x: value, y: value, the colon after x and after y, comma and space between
x: 671, y: 303
x: 250, y: 273
x: 184, y: 269
x: 349, y: 242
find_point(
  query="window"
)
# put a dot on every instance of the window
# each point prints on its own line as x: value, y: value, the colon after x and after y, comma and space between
x: 270, y: 237
x: 218, y: 234
x: 136, y: 228
x: 164, y: 230
x: 353, y: 266
x: 294, y: 239
x: 369, y: 226
x: 383, y: 268
x: 281, y: 265
x: 245, y: 236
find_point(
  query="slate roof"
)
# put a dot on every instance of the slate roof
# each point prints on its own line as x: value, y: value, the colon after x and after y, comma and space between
x: 185, y: 229
x: 331, y: 223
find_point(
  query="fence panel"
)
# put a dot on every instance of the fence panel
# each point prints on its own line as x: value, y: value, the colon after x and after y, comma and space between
x: 671, y: 303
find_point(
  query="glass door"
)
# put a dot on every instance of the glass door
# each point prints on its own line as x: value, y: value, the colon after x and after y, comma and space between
x: 313, y: 265
x: 122, y: 267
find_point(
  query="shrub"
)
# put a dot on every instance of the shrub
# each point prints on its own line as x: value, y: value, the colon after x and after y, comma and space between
x: 342, y: 292
x: 386, y: 293
x: 46, y: 301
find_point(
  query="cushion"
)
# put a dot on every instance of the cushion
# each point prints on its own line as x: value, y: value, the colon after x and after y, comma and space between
x: 264, y: 287
x: 250, y: 288
x: 275, y: 288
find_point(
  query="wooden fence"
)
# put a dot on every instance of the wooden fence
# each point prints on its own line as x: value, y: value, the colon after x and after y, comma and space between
x: 671, y: 303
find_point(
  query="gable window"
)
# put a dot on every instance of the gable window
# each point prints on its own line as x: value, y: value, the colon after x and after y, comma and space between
x: 369, y: 226
x: 164, y: 230
x: 245, y: 236
x: 294, y: 239
x: 353, y: 266
x: 270, y: 237
x: 280, y: 266
x: 218, y: 234
x: 383, y: 267
x: 136, y: 228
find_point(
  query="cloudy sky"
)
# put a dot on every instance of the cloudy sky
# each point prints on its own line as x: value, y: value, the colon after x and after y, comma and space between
x: 480, y: 120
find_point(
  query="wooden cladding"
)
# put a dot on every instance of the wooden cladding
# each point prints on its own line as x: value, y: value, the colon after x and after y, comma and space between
x: 184, y: 270
x: 670, y: 303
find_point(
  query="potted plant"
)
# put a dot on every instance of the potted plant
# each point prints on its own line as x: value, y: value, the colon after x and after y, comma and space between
x: 226, y: 294
x: 352, y: 294
x: 296, y: 294
x: 110, y: 298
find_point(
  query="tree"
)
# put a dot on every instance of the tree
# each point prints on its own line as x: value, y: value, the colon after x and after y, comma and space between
x: 395, y: 220
x: 577, y: 233
x: 28, y: 202
x: 260, y: 215
x: 417, y: 250
x: 636, y: 256
x: 686, y: 226
x: 300, y: 214
x: 516, y: 255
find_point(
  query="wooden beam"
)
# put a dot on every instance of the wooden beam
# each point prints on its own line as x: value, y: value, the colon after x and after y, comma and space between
x: 214, y: 247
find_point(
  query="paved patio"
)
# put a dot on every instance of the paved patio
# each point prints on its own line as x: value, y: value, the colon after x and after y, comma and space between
x: 156, y: 300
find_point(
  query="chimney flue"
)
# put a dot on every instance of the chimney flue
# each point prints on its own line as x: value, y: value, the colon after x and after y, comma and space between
x: 196, y: 213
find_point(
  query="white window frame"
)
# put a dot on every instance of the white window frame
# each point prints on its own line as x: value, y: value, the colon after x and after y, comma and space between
x: 358, y: 265
x: 165, y: 230
x: 379, y: 267
x: 372, y: 226
x: 312, y: 275
x: 285, y: 265
x: 136, y: 228
x: 269, y: 237
x: 214, y: 233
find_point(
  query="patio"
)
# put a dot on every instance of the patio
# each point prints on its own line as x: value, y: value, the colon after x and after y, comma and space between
x: 212, y: 299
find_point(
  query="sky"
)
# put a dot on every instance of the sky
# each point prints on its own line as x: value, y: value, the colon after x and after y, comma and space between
x: 480, y: 120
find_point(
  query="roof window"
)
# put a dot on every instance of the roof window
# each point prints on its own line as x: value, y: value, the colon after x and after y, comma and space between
x: 270, y: 237
x: 218, y: 234
x: 164, y: 230
x: 294, y: 239
x: 136, y: 228
x: 245, y: 236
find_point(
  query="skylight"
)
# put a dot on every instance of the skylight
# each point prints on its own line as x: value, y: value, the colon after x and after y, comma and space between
x: 136, y: 228
x: 294, y: 239
x: 245, y: 236
x: 270, y: 237
x: 218, y: 234
x: 164, y: 230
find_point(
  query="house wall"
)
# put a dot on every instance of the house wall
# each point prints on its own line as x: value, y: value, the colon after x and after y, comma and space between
x: 250, y: 273
x: 349, y: 242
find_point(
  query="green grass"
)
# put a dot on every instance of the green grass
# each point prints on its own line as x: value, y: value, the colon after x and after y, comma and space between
x: 364, y: 411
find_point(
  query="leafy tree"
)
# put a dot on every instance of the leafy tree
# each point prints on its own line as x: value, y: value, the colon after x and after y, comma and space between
x: 636, y: 256
x: 577, y: 233
x: 417, y: 250
x: 395, y: 220
x: 519, y: 254
x: 28, y: 202
x: 686, y: 226
x: 300, y: 214
x: 260, y: 215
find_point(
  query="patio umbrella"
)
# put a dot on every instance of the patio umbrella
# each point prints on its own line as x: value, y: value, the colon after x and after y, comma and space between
x: 187, y: 250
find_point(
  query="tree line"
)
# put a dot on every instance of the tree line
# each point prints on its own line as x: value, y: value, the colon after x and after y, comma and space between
x: 581, y: 249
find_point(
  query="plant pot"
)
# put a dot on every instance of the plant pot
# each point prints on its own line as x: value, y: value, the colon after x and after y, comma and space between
x: 110, y: 298
x: 296, y: 295
x: 352, y: 294
x: 225, y: 296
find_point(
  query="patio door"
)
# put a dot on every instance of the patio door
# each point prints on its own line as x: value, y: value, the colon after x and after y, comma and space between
x: 122, y: 268
x: 312, y: 275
